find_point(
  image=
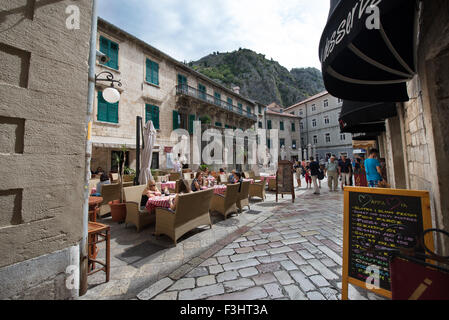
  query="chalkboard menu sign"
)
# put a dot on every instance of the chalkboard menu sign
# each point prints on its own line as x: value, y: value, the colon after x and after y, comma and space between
x: 284, y: 179
x: 380, y: 218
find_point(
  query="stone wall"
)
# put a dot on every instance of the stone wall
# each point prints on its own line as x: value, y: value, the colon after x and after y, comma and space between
x: 43, y: 102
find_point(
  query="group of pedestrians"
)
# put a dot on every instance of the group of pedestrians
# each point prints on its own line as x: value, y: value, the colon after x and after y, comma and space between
x: 336, y: 170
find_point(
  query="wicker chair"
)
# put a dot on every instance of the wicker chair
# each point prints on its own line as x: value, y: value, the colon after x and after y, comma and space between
x: 174, y: 176
x: 191, y: 212
x: 138, y: 217
x: 257, y: 189
x: 243, y: 196
x: 226, y: 204
x: 109, y: 192
x: 272, y: 185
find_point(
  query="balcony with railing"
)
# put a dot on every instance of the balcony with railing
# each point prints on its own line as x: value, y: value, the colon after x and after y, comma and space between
x: 213, y: 100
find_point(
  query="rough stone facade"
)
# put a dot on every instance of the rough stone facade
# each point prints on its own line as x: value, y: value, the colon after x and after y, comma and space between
x: 136, y: 92
x: 424, y: 120
x: 43, y: 102
x: 320, y: 115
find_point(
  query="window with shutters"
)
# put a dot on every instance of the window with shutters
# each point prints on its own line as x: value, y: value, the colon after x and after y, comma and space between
x: 110, y: 49
x: 217, y: 98
x: 182, y: 84
x: 201, y: 91
x: 191, y: 121
x: 282, y: 142
x: 248, y: 110
x: 260, y: 110
x: 230, y: 102
x: 152, y: 72
x: 281, y: 125
x: 152, y: 113
x: 106, y: 112
x: 293, y: 127
x: 269, y: 124
x: 240, y: 106
x: 269, y: 143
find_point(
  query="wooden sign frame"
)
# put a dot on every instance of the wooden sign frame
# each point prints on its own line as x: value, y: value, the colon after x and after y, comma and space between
x: 292, y: 192
x: 426, y: 220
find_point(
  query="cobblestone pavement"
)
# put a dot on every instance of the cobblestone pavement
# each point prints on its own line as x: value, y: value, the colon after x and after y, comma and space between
x: 293, y: 253
x: 140, y: 259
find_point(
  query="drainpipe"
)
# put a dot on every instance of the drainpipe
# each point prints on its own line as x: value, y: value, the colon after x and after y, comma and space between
x: 90, y: 102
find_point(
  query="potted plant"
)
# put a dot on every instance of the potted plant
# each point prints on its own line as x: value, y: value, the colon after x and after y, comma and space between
x: 118, y: 207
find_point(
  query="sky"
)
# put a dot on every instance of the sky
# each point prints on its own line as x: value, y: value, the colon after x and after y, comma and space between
x: 288, y: 31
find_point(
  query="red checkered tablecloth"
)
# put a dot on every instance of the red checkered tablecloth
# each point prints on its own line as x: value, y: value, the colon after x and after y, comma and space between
x: 169, y: 185
x: 159, y: 202
x: 218, y: 189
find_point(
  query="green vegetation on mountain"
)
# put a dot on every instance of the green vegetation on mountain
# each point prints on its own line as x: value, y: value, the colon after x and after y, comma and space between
x: 259, y: 78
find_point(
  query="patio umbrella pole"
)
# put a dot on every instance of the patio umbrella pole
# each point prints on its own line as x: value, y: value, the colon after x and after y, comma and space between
x: 138, y: 129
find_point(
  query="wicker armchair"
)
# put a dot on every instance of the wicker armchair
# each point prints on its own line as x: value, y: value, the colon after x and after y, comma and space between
x: 191, y: 212
x: 243, y: 196
x: 226, y: 204
x: 257, y: 189
x: 272, y: 185
x: 109, y: 192
x: 138, y: 217
x: 174, y: 176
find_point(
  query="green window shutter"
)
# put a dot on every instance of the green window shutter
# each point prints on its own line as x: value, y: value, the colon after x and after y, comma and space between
x: 102, y: 108
x: 155, y: 73
x: 191, y: 121
x: 240, y: 108
x: 269, y: 143
x: 155, y: 116
x: 147, y: 113
x: 230, y: 103
x: 248, y: 110
x: 113, y: 54
x: 113, y: 112
x: 217, y: 98
x: 104, y: 46
x: 269, y: 124
x: 148, y: 71
x: 202, y: 91
x: 281, y: 124
x: 175, y: 120
x: 293, y: 127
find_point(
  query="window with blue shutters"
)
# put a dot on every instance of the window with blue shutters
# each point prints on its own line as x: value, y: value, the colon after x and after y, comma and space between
x: 217, y: 99
x: 201, y: 91
x: 106, y: 112
x: 152, y: 72
x: 230, y: 103
x: 182, y: 83
x: 110, y: 49
x: 152, y: 113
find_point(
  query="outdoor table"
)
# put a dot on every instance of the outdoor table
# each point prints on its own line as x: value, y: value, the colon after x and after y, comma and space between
x: 168, y: 185
x: 94, y: 206
x: 159, y: 202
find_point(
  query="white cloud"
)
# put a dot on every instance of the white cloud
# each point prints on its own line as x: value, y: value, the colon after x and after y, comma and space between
x: 287, y: 31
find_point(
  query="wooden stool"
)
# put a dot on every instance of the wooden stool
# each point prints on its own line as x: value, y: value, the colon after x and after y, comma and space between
x: 97, y: 231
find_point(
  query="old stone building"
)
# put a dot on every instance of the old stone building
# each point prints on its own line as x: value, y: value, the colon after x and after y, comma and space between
x: 320, y: 129
x: 159, y: 88
x: 43, y: 103
x: 289, y: 133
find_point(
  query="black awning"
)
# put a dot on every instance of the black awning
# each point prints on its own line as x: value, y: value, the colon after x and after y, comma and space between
x: 364, y: 127
x: 369, y: 65
x: 367, y: 137
x: 354, y: 112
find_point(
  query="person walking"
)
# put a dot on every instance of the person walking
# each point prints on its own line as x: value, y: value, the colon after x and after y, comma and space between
x: 298, y: 170
x: 373, y: 169
x: 332, y: 174
x: 344, y: 170
x: 314, y: 172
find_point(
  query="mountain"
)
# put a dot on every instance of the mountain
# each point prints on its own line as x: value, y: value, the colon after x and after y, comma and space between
x: 260, y: 79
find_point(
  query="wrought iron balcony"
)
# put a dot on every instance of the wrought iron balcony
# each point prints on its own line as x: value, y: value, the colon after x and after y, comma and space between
x: 203, y: 96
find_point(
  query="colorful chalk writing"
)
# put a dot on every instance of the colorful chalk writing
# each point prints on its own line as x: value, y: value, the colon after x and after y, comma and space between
x: 381, y: 221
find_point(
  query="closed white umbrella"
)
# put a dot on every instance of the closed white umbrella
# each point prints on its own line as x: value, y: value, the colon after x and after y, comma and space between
x: 149, y: 138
